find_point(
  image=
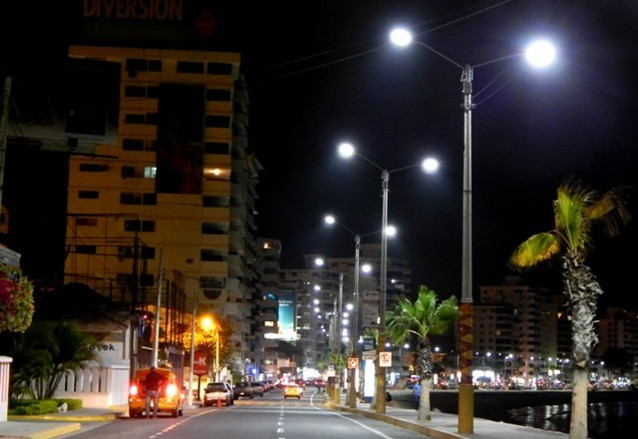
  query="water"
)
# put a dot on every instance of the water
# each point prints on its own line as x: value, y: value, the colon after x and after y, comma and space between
x: 606, y: 420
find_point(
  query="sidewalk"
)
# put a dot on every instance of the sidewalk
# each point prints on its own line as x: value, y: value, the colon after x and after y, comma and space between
x: 56, y: 424
x: 445, y: 425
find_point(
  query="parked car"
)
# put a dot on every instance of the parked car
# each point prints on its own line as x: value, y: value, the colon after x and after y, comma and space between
x: 218, y: 393
x: 258, y: 388
x: 171, y: 397
x: 243, y: 389
x: 293, y: 391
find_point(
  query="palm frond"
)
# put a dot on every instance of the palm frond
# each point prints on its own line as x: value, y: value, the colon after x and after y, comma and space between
x: 572, y: 201
x: 536, y: 249
x: 610, y: 211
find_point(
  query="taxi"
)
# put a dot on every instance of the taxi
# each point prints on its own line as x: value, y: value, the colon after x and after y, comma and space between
x: 293, y: 391
x: 171, y: 397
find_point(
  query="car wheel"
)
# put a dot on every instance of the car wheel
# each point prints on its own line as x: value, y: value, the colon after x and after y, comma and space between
x: 174, y: 413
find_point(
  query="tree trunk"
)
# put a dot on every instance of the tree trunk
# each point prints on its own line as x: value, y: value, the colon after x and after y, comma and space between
x: 578, y: 423
x: 425, y: 413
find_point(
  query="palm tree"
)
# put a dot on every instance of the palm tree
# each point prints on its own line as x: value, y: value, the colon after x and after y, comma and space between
x: 577, y: 209
x: 423, y: 318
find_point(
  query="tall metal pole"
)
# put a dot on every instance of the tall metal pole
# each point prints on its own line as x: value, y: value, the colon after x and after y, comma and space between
x: 157, y: 311
x: 352, y: 373
x: 380, y: 388
x: 466, y: 320
x: 338, y: 328
x: 192, y: 359
x: 217, y: 353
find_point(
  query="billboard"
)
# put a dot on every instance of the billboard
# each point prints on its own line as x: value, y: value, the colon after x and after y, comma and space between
x: 287, y: 327
x: 69, y: 105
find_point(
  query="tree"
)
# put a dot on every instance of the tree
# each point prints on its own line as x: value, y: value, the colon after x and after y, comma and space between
x: 423, y: 318
x: 577, y: 210
x: 45, y: 352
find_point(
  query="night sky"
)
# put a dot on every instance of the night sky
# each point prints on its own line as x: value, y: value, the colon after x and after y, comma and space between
x: 329, y: 74
x: 323, y: 72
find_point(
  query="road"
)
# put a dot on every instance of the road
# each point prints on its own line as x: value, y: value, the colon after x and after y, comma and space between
x: 267, y: 417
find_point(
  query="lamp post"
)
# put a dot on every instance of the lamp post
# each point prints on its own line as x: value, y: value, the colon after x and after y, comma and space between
x: 192, y: 358
x: 540, y: 54
x: 347, y: 150
x: 209, y: 324
x: 329, y: 219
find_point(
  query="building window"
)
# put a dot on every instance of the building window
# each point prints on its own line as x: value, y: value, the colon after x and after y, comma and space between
x: 150, y: 172
x: 147, y: 252
x: 128, y: 171
x: 212, y: 201
x: 132, y: 145
x: 217, y: 121
x: 134, y: 65
x: 190, y: 67
x: 91, y: 195
x: 84, y: 221
x: 216, y: 68
x: 212, y: 287
x: 216, y: 174
x: 138, y: 198
x: 93, y: 167
x: 216, y: 148
x: 139, y: 226
x: 86, y: 249
x: 139, y: 145
x: 218, y: 95
x: 212, y: 255
x: 214, y: 229
x: 135, y: 91
x: 134, y: 118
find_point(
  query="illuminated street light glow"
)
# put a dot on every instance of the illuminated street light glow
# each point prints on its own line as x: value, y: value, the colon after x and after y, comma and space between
x: 540, y: 53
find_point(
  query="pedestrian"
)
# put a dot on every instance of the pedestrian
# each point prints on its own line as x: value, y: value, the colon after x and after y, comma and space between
x: 416, y: 390
x: 153, y: 382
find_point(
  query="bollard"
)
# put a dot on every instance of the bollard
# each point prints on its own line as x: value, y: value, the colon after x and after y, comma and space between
x: 219, y: 401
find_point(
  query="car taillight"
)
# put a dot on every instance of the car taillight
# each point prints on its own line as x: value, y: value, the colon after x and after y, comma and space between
x: 171, y: 390
x: 133, y: 391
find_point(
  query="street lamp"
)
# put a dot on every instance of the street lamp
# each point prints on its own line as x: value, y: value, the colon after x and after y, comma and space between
x: 192, y: 358
x: 539, y: 54
x: 429, y: 165
x: 331, y: 220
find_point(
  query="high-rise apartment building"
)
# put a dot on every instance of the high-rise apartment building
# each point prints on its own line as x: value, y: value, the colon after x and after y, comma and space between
x: 168, y: 208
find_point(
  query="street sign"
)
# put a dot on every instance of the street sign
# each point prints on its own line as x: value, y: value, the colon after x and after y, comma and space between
x: 353, y: 363
x: 385, y: 359
x: 369, y: 355
x: 200, y: 366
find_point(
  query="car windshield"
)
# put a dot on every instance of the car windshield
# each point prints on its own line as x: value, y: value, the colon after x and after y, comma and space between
x: 216, y: 388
